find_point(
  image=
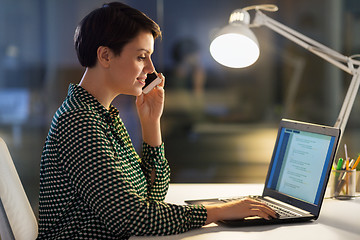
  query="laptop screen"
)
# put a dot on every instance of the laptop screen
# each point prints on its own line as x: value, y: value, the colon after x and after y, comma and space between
x: 300, y: 164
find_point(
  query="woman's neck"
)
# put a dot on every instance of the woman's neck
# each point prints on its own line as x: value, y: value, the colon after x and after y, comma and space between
x: 93, y: 82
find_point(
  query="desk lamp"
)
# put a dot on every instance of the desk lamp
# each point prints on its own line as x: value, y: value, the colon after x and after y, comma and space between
x: 236, y: 46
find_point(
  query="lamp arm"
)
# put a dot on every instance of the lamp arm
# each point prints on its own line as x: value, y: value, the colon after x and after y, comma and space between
x: 311, y: 45
x: 348, y: 103
x: 343, y: 62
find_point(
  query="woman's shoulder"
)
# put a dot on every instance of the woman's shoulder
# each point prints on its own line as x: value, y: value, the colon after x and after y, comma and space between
x: 72, y: 111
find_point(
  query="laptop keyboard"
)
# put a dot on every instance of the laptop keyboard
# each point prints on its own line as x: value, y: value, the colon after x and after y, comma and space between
x: 283, y: 212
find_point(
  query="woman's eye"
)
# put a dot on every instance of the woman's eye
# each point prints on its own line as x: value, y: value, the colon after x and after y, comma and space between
x: 141, y: 58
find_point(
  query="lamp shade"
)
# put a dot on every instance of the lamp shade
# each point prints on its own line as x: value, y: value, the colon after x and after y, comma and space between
x: 235, y: 46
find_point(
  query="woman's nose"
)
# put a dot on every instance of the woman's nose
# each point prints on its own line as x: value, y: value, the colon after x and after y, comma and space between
x: 149, y: 67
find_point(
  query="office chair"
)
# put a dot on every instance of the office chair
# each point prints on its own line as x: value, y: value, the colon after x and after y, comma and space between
x: 17, y: 219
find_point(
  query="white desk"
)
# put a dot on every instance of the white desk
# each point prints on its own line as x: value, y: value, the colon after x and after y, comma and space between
x: 338, y: 219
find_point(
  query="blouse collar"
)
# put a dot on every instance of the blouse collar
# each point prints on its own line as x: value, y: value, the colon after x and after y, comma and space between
x: 85, y: 97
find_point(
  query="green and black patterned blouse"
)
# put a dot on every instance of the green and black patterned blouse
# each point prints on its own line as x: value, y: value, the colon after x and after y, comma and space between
x: 93, y: 185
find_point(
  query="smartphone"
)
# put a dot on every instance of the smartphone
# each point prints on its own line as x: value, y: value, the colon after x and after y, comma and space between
x: 151, y: 81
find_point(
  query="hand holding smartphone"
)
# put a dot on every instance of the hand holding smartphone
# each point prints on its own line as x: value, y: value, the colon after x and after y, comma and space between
x: 151, y: 81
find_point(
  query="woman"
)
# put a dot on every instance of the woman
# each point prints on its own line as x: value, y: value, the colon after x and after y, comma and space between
x: 93, y: 185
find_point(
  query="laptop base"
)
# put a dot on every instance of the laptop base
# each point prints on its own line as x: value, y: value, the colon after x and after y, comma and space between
x: 262, y: 221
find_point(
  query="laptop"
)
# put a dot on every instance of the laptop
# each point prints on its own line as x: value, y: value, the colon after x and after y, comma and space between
x: 297, y: 176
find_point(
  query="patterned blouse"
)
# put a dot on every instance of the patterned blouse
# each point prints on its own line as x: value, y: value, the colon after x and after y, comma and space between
x: 93, y: 185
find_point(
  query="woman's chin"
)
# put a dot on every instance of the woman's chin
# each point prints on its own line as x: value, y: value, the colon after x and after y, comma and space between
x: 137, y: 93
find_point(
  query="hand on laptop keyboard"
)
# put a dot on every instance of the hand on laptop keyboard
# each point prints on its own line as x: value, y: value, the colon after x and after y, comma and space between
x: 239, y: 209
x: 281, y: 212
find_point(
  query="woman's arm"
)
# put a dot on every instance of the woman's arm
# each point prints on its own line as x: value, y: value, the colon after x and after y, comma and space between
x: 156, y: 170
x: 150, y: 108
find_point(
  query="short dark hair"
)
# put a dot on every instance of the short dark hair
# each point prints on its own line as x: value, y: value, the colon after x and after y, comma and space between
x: 113, y: 25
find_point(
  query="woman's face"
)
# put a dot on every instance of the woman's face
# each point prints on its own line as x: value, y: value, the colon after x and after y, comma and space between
x: 127, y: 71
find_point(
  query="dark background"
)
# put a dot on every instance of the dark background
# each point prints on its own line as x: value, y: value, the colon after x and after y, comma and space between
x: 219, y: 124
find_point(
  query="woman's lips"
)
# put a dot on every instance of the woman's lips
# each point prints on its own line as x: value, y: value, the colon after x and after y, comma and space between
x: 141, y: 80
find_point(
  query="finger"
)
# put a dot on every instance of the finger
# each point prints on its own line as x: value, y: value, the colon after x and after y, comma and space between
x: 258, y: 203
x: 266, y: 209
x: 162, y: 77
x: 139, y: 99
x: 260, y: 213
x: 269, y: 211
x: 161, y: 88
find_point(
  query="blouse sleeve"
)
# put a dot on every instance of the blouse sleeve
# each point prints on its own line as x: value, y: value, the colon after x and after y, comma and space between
x: 154, y: 158
x: 96, y: 174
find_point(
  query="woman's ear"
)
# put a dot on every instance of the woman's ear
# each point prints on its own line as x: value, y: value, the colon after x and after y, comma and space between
x: 104, y: 56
